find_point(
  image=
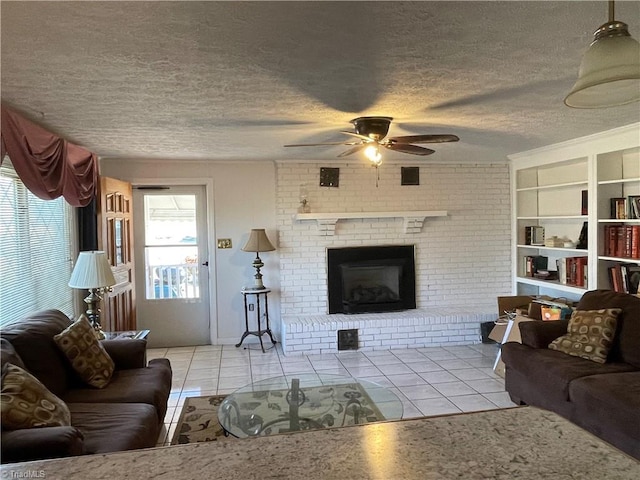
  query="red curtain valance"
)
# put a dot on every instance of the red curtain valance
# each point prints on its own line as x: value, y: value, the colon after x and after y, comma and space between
x: 48, y: 165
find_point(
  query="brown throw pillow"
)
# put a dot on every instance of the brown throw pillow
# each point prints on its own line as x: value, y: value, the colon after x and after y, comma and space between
x: 87, y: 355
x: 26, y: 403
x: 589, y: 334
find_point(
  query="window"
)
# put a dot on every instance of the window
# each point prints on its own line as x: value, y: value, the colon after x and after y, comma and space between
x: 36, y: 251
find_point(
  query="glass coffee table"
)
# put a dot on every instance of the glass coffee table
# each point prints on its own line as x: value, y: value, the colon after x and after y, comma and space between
x: 301, y: 402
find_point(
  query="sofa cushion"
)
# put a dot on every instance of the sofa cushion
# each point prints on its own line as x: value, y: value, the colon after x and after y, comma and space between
x: 85, y: 353
x: 26, y: 403
x: 113, y: 427
x: 150, y: 385
x: 609, y: 406
x: 589, y: 334
x: 626, y: 347
x: 552, y: 371
x: 32, y: 339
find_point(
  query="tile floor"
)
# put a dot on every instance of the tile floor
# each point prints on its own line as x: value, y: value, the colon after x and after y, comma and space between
x: 429, y: 381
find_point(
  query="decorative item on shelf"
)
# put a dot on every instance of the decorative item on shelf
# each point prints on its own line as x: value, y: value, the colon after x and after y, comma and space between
x: 609, y: 73
x: 304, y: 200
x: 583, y: 239
x: 93, y: 272
x: 258, y: 242
x: 534, y: 235
x: 554, y: 242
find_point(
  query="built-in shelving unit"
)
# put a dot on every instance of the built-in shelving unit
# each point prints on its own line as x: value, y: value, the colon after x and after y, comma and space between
x: 412, y: 220
x: 567, y: 189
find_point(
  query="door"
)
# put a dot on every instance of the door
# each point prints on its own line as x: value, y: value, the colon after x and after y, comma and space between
x: 171, y: 251
x: 115, y: 237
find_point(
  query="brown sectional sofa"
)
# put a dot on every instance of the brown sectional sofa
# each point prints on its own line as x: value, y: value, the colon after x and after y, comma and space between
x: 601, y: 398
x: 127, y: 414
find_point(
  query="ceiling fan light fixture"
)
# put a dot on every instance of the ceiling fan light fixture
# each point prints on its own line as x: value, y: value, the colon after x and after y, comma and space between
x: 609, y: 73
x: 372, y: 152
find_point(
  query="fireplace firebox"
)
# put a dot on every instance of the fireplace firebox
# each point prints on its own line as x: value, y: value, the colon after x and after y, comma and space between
x: 371, y: 279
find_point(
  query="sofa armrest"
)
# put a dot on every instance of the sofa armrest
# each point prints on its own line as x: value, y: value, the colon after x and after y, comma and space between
x: 41, y: 443
x: 127, y: 353
x: 540, y: 334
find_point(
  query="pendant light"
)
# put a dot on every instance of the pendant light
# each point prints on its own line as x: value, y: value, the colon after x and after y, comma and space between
x: 609, y: 73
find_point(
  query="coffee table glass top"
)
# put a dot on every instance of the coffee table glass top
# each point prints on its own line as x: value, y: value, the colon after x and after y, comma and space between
x: 300, y: 402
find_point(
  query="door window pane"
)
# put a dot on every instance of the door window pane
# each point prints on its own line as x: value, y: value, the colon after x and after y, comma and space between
x: 171, y: 250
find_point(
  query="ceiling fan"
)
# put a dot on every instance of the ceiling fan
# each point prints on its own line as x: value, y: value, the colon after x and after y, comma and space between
x: 370, y: 133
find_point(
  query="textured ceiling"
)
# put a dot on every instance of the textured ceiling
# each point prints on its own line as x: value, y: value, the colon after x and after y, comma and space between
x: 238, y: 80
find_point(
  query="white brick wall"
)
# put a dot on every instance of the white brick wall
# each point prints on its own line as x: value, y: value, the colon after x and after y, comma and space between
x: 462, y: 260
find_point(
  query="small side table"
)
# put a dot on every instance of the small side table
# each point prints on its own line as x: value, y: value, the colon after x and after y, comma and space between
x: 257, y: 293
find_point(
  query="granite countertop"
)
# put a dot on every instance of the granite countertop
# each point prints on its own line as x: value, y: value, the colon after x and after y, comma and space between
x: 517, y: 443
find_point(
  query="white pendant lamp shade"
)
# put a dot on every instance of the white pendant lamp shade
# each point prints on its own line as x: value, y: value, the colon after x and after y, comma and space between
x: 92, y: 270
x: 609, y: 74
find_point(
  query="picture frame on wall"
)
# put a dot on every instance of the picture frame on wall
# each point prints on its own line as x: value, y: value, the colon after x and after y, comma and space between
x: 634, y: 206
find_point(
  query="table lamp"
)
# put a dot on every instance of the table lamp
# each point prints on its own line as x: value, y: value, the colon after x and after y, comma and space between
x: 258, y: 242
x: 93, y: 272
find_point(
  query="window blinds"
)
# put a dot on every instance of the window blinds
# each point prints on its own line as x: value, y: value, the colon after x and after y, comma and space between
x: 36, y: 248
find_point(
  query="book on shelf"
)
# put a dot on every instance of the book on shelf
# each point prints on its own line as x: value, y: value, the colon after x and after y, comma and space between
x: 625, y: 278
x: 619, y: 208
x: 622, y: 241
x: 533, y: 264
x: 572, y: 271
x: 585, y: 203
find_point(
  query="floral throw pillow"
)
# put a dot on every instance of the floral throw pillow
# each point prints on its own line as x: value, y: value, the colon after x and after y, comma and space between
x: 27, y: 403
x: 589, y: 334
x: 86, y: 354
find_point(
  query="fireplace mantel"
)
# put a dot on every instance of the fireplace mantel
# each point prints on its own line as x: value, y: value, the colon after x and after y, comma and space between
x: 412, y: 223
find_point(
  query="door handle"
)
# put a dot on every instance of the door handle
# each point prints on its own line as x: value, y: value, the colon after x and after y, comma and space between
x: 205, y: 264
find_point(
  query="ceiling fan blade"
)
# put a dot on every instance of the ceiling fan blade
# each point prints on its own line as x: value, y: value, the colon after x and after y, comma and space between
x: 357, y: 135
x: 412, y: 149
x: 424, y: 139
x: 353, y: 150
x: 319, y: 144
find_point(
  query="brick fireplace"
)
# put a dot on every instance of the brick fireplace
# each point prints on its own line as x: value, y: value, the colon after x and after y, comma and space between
x: 462, y: 258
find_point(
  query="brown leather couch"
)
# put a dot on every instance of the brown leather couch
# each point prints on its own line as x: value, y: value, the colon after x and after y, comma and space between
x: 127, y: 414
x: 601, y: 398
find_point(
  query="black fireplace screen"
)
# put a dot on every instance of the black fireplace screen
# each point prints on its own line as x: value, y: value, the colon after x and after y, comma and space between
x: 371, y: 279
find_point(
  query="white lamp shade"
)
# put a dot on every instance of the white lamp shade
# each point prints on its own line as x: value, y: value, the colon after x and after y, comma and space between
x: 92, y: 270
x: 609, y: 74
x: 258, y: 242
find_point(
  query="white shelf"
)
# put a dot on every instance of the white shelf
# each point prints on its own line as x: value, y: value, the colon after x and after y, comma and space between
x: 578, y: 251
x: 412, y: 220
x: 617, y: 181
x: 620, y: 259
x: 619, y: 220
x: 556, y: 217
x: 555, y: 285
x: 556, y: 185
